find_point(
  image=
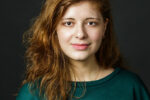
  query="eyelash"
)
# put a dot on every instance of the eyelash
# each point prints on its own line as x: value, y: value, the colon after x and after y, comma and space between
x: 95, y: 23
x: 65, y: 23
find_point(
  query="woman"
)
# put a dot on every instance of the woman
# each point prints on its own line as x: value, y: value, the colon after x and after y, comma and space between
x: 72, y: 54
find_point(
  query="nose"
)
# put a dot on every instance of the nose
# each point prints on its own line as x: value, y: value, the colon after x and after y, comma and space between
x: 80, y: 32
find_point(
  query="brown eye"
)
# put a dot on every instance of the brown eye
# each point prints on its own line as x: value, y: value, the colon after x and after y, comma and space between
x: 68, y: 23
x: 92, y: 23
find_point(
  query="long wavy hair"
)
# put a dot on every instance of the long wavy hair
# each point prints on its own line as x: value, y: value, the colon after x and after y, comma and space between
x: 47, y: 65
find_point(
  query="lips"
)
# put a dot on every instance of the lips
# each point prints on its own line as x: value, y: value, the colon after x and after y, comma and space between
x: 80, y: 46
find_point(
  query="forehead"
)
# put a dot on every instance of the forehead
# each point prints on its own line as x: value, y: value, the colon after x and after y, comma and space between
x: 83, y: 9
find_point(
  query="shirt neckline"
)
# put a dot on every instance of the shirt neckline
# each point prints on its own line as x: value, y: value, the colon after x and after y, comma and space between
x: 99, y: 81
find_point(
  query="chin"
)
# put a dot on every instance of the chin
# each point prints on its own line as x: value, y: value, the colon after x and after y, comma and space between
x: 80, y: 57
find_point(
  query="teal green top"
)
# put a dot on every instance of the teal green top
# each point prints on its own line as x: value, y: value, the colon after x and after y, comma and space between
x: 121, y: 84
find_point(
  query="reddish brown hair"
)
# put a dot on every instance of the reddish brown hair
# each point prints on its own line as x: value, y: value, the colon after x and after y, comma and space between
x: 46, y: 63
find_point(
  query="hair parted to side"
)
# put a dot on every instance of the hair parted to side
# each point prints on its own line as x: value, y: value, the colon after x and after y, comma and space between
x: 46, y: 61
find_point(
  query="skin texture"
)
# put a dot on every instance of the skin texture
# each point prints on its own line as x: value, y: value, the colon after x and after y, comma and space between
x: 80, y: 32
x: 81, y: 24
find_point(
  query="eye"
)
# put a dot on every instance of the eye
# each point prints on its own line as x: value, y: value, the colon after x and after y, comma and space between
x: 92, y: 23
x: 68, y: 23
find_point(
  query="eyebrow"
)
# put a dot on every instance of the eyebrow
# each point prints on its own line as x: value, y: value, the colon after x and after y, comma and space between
x: 69, y: 18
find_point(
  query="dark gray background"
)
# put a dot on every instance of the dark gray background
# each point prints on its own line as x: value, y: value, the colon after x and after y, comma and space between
x: 131, y: 20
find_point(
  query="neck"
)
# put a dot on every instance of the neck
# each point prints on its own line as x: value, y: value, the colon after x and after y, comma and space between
x: 86, y: 70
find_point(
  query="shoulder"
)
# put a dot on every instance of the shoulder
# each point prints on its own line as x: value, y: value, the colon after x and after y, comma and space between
x: 129, y: 76
x: 131, y: 79
x: 130, y: 83
x: 26, y: 93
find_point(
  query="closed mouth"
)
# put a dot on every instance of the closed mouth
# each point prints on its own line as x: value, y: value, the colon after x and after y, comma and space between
x: 78, y: 46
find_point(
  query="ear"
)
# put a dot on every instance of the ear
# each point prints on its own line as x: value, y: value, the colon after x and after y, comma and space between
x: 106, y: 22
x: 105, y: 26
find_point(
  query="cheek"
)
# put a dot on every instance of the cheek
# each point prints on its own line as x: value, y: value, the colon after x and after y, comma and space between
x: 63, y: 35
x: 96, y: 35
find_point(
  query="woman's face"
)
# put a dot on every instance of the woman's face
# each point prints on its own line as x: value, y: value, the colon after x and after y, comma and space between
x: 80, y: 31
